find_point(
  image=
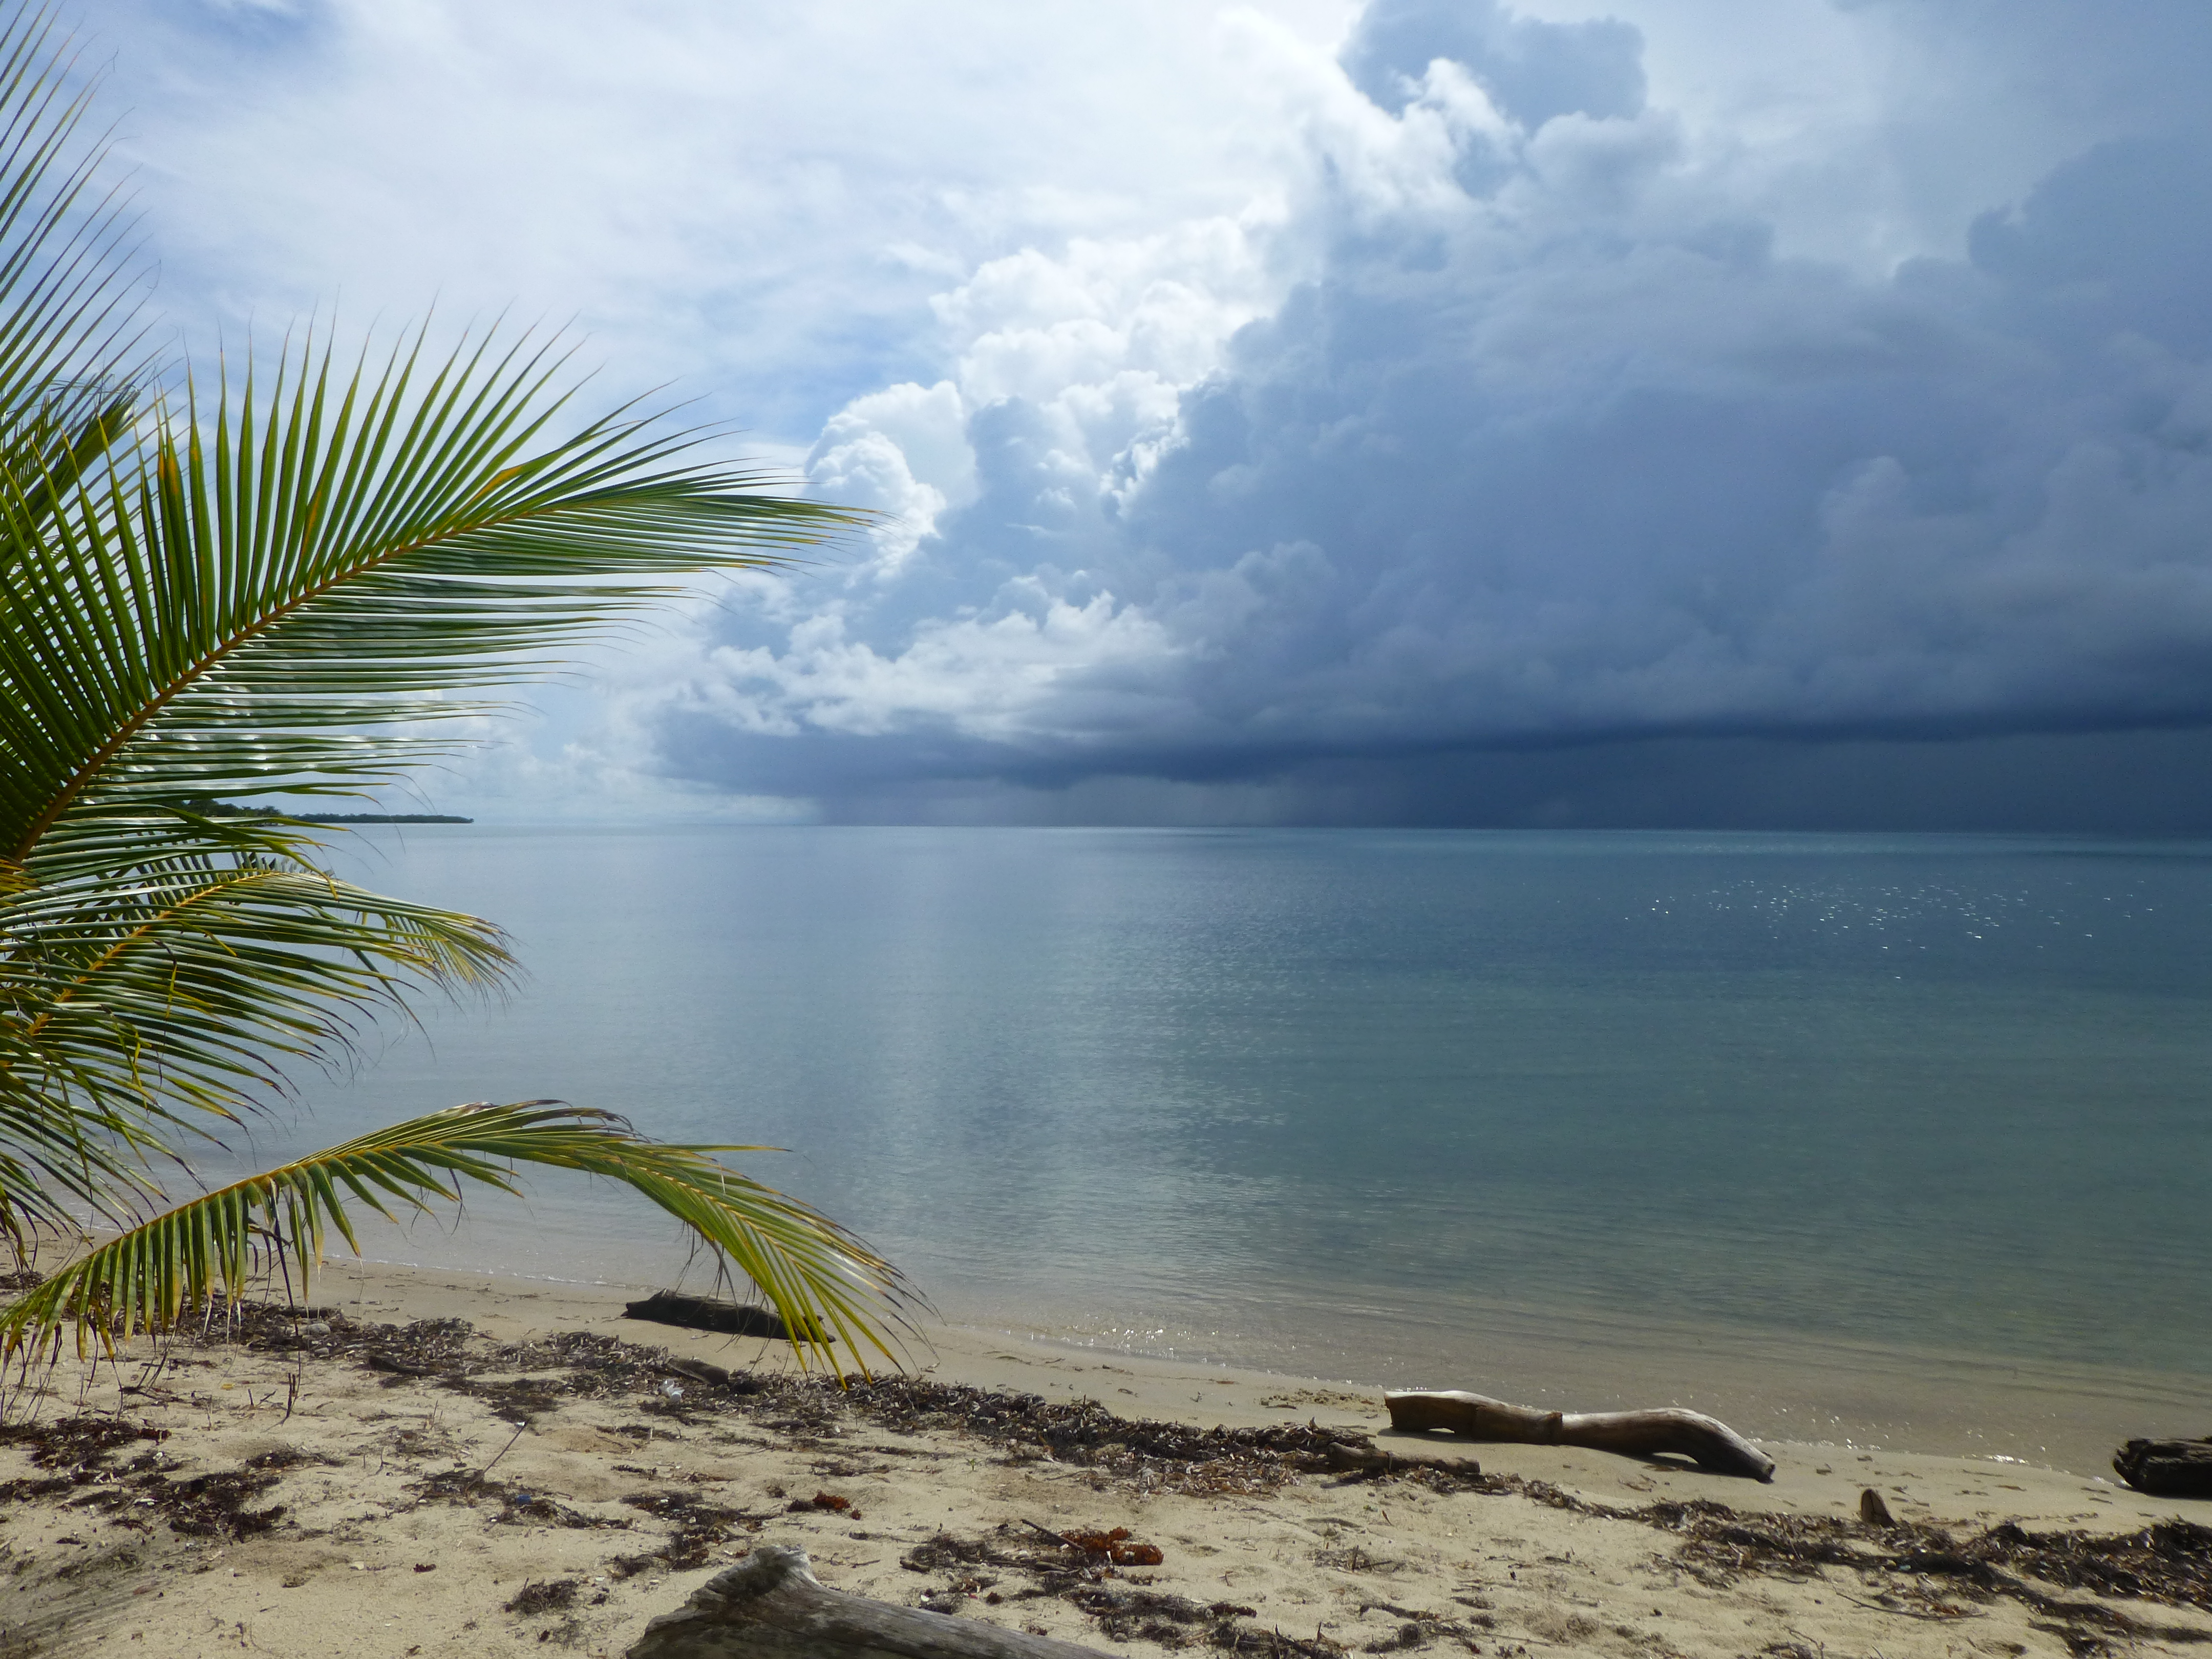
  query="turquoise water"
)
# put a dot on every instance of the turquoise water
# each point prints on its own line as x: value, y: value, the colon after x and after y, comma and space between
x: 1235, y: 1090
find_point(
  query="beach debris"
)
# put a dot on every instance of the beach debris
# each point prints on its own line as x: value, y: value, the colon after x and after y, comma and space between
x: 1153, y: 1457
x: 393, y: 1364
x: 212, y: 1505
x: 1921, y: 1568
x: 2166, y: 1468
x: 432, y: 1349
x: 503, y: 1451
x: 771, y: 1605
x: 696, y: 1527
x: 947, y: 1551
x: 1706, y: 1441
x: 1128, y: 1613
x: 702, y: 1313
x: 1116, y: 1546
x: 1873, y: 1511
x: 1126, y: 1607
x: 1362, y: 1462
x: 547, y: 1595
x: 1352, y: 1557
x: 523, y: 1508
x: 77, y: 1442
x: 699, y: 1371
x: 1919, y: 1564
x: 80, y: 1452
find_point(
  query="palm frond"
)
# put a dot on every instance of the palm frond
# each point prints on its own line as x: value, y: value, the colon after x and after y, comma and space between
x: 136, y: 1006
x: 69, y: 338
x: 326, y: 552
x: 294, y: 566
x: 828, y: 1286
x: 242, y: 589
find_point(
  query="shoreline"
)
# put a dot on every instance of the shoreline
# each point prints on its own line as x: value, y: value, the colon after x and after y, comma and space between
x: 1206, y: 1392
x: 1818, y: 1392
x: 582, y: 1473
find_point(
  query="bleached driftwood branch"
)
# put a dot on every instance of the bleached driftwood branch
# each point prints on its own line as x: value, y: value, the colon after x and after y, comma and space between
x: 1707, y: 1441
x: 770, y: 1605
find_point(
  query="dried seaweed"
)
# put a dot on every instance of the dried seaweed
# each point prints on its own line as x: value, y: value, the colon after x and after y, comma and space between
x: 77, y: 1443
x: 1917, y: 1566
x: 522, y: 1400
x: 1063, y: 1567
x: 461, y: 1486
x: 1273, y: 1645
x: 517, y: 1504
x: 2170, y: 1561
x: 82, y: 1450
x: 213, y: 1505
x: 291, y: 1458
x: 520, y: 1507
x: 547, y: 1595
x: 210, y: 1505
x: 947, y: 1551
x: 1152, y: 1456
x: 1126, y: 1614
x: 1916, y: 1563
x: 269, y: 1325
x: 696, y: 1527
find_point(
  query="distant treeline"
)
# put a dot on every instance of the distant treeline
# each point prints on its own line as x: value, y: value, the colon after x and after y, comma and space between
x: 225, y: 809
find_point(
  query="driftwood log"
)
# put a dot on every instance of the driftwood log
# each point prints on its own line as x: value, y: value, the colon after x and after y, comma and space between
x: 1708, y: 1441
x: 2166, y: 1468
x: 770, y: 1605
x: 702, y: 1313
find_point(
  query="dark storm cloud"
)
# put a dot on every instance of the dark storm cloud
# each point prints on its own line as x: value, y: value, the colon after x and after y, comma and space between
x: 1552, y: 452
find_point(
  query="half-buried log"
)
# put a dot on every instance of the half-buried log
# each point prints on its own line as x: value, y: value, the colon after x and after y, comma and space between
x: 1708, y: 1441
x: 2166, y: 1468
x: 700, y: 1312
x: 770, y: 1605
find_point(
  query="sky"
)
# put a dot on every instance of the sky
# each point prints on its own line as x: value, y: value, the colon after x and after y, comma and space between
x: 1697, y: 413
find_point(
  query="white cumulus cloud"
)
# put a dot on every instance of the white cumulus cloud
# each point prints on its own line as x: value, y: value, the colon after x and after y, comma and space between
x: 1512, y: 416
x: 1303, y: 385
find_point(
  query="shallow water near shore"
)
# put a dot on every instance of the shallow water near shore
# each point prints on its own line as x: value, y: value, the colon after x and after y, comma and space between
x: 1804, y: 1125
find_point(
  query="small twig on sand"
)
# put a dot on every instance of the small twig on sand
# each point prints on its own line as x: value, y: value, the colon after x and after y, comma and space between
x: 503, y: 1451
x: 1907, y: 1613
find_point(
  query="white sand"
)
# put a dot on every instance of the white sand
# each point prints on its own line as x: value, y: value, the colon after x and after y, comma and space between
x: 362, y: 1563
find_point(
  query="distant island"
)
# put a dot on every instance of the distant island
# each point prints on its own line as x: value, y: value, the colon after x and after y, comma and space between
x: 376, y: 818
x: 225, y: 809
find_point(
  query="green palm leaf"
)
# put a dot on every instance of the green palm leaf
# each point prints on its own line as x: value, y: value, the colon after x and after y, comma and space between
x: 325, y: 552
x: 307, y: 562
x: 828, y: 1285
x: 247, y: 588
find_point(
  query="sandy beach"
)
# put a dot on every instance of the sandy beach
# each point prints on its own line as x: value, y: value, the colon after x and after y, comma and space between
x: 448, y: 1464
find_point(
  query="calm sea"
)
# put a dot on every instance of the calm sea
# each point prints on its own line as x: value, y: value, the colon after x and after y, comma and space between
x: 1844, y: 1133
